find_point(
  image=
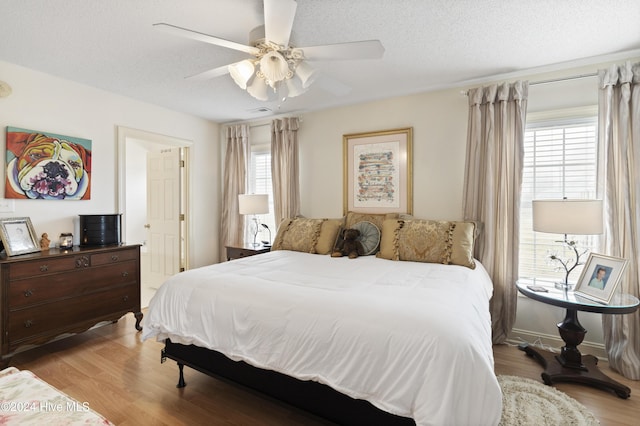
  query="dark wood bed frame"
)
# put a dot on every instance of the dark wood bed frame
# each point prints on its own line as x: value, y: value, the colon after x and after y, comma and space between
x: 311, y: 396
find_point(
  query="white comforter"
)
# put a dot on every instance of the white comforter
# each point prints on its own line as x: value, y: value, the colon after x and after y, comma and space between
x: 414, y: 339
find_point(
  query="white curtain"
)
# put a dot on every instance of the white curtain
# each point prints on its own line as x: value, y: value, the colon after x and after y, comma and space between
x: 285, y: 169
x: 493, y: 176
x: 619, y: 138
x: 235, y: 183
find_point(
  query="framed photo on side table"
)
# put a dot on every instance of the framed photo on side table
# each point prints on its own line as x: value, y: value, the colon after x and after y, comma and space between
x: 18, y: 236
x: 600, y: 277
x: 377, y: 171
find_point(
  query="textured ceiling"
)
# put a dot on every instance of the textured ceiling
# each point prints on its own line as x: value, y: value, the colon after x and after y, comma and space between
x: 429, y: 44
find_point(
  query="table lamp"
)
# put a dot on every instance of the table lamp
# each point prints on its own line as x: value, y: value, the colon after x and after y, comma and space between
x: 575, y: 217
x: 253, y: 204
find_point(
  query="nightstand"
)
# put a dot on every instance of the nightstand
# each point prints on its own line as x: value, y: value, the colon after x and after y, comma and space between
x: 245, y: 251
x: 570, y: 365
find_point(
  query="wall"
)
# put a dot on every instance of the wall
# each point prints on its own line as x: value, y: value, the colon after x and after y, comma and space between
x: 439, y: 121
x: 43, y: 102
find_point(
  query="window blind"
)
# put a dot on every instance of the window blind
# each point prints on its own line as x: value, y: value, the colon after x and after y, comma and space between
x: 260, y: 183
x: 560, y: 160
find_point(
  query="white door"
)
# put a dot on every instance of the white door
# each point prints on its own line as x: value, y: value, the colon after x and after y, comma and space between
x: 163, y: 214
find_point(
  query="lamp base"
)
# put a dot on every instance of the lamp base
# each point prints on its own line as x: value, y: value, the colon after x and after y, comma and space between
x: 564, y: 286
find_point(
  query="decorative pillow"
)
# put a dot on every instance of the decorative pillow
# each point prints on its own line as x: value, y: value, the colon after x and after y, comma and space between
x: 425, y: 241
x: 328, y: 233
x: 429, y: 241
x: 369, y: 236
x: 389, y: 239
x: 376, y: 218
x: 464, y: 236
x: 298, y: 234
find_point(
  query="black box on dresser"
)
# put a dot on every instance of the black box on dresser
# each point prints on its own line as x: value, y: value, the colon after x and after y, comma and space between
x: 100, y: 229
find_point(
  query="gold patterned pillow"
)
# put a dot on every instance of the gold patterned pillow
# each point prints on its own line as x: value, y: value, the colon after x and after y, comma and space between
x: 425, y: 241
x: 298, y: 234
x: 428, y: 241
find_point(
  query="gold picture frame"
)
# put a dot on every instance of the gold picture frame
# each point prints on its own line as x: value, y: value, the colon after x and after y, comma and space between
x: 600, y: 277
x: 378, y: 175
x: 18, y: 236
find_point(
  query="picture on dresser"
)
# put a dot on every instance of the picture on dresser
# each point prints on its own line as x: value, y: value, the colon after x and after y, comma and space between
x: 18, y: 236
x: 47, y: 166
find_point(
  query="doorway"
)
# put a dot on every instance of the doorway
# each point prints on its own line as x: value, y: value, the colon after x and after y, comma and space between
x: 153, y: 197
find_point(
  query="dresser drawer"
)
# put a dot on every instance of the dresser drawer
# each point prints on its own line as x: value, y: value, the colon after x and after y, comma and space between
x: 46, y: 266
x: 36, y: 323
x: 113, y: 257
x: 64, y: 285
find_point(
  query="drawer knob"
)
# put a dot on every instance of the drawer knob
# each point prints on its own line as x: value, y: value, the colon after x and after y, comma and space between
x: 114, y: 257
x: 44, y: 268
x: 82, y: 262
x: 125, y: 298
x: 28, y: 323
x: 28, y: 293
x: 125, y: 273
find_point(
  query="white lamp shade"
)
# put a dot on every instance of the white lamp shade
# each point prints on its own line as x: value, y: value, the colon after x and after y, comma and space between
x: 253, y: 203
x: 241, y: 72
x: 575, y: 217
x: 274, y: 67
x: 294, y: 87
x: 306, y: 73
x: 258, y: 89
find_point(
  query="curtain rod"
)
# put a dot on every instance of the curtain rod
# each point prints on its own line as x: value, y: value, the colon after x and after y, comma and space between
x: 555, y: 80
x: 551, y: 80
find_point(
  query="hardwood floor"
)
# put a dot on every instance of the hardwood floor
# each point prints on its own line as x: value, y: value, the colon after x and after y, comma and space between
x: 122, y: 378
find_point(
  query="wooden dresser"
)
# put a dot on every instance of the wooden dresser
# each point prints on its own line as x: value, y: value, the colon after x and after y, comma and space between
x: 44, y: 295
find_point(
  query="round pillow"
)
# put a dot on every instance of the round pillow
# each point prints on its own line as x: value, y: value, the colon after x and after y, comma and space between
x: 369, y: 236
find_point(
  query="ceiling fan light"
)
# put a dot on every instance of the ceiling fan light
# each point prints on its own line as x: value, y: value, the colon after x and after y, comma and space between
x: 306, y: 74
x: 241, y: 72
x: 258, y: 89
x: 274, y: 67
x: 294, y: 87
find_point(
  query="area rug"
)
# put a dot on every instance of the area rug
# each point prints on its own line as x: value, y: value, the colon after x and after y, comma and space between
x: 25, y: 399
x: 528, y: 402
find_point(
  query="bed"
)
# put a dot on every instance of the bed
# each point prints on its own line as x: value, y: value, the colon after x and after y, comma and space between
x: 403, y: 339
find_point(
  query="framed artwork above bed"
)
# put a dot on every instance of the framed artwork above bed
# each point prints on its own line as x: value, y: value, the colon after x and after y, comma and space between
x: 377, y: 171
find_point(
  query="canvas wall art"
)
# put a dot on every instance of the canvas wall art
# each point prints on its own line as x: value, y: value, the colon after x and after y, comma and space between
x: 43, y: 165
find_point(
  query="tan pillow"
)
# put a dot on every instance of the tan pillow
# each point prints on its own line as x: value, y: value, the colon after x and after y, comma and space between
x: 376, y: 218
x: 328, y: 233
x: 428, y: 241
x: 463, y: 243
x: 299, y: 234
x: 389, y: 239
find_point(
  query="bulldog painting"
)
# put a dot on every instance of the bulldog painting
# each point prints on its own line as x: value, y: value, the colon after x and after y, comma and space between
x: 47, y: 166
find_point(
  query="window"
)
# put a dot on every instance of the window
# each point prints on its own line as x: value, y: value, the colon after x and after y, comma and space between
x: 260, y: 183
x: 560, y: 160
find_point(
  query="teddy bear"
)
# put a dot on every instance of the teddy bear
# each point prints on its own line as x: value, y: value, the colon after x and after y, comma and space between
x: 348, y: 245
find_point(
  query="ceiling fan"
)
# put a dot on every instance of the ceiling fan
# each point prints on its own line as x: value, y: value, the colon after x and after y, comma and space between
x: 274, y: 62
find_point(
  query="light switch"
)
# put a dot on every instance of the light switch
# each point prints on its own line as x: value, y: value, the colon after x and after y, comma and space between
x: 7, y: 205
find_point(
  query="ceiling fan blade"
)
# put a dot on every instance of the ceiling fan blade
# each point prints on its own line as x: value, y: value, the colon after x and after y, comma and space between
x: 331, y: 85
x: 278, y: 20
x: 194, y: 35
x: 369, y: 49
x: 213, y: 73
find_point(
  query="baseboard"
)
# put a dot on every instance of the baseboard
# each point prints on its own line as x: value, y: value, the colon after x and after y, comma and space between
x: 554, y: 342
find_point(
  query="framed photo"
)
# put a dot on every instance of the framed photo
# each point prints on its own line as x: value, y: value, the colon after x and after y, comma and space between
x: 600, y: 277
x: 377, y: 172
x: 18, y: 236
